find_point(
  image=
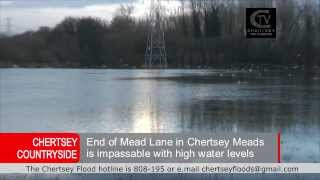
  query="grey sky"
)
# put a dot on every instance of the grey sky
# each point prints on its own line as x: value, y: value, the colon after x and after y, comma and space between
x: 31, y: 14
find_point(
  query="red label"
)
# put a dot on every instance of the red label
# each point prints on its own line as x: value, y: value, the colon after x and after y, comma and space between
x: 39, y: 148
x: 279, y: 147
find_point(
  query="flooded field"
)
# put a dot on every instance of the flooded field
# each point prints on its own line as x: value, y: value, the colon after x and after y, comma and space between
x: 211, y: 101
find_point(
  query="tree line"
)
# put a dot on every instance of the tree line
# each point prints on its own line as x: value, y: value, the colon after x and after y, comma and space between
x: 199, y: 34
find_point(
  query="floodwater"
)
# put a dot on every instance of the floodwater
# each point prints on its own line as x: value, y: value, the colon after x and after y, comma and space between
x: 208, y: 101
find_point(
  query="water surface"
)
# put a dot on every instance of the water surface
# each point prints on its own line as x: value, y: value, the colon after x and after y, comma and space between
x: 211, y: 101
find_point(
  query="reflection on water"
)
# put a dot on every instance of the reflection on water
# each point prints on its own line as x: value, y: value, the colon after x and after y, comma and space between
x: 209, y: 101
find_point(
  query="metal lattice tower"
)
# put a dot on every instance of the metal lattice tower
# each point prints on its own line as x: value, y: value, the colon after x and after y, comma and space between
x: 155, y: 56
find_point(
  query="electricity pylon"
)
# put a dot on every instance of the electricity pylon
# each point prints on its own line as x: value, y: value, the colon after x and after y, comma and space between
x: 155, y: 56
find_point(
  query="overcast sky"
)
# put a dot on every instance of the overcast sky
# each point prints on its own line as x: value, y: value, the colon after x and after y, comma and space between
x: 31, y: 14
